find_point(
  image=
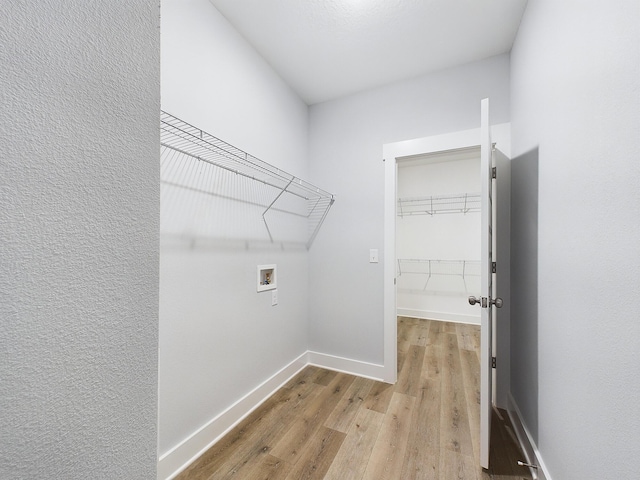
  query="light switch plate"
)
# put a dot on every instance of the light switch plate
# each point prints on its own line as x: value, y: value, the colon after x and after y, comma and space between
x: 373, y: 255
x: 274, y: 297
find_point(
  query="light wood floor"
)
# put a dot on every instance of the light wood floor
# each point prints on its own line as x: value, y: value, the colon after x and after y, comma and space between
x: 328, y: 425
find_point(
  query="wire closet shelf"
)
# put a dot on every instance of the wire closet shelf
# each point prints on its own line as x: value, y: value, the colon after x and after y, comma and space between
x: 437, y: 204
x: 184, y: 145
x: 419, y: 266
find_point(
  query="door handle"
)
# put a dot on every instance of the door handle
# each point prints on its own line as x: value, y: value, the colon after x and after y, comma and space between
x: 482, y: 301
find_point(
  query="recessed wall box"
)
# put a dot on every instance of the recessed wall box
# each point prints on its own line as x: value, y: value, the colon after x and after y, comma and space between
x: 267, y: 277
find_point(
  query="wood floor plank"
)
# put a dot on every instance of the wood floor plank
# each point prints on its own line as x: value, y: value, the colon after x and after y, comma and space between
x: 413, y: 332
x: 315, y: 413
x: 409, y: 377
x: 353, y: 456
x: 455, y: 434
x: 259, y: 442
x: 423, y: 450
x: 417, y: 334
x: 432, y: 364
x: 252, y: 434
x: 388, y: 452
x: 423, y: 328
x: 406, y: 321
x: 423, y: 446
x: 476, y: 340
x: 425, y: 424
x: 342, y: 416
x: 456, y: 466
x: 470, y: 368
x: 306, y: 375
x: 404, y: 329
x: 449, y: 327
x: 422, y: 464
x: 402, y: 354
x: 466, y: 336
x: 323, y: 377
x: 318, y: 454
x: 435, y: 332
x: 379, y: 397
x: 268, y: 468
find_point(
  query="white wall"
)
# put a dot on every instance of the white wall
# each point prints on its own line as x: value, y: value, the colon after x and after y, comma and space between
x: 219, y: 339
x: 346, y: 138
x: 218, y: 82
x: 80, y: 95
x: 524, y: 286
x: 576, y: 100
x: 443, y: 236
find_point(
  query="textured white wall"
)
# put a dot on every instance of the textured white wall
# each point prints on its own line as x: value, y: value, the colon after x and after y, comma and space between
x: 219, y: 339
x: 576, y: 98
x: 79, y: 188
x: 346, y: 138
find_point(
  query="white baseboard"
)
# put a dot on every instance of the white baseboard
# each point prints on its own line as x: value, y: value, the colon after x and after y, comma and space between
x: 182, y: 455
x: 346, y: 365
x: 528, y: 445
x: 442, y: 316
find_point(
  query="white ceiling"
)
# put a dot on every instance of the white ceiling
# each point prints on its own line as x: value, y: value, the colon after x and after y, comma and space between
x: 325, y: 49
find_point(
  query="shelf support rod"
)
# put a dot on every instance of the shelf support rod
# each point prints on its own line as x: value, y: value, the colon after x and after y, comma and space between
x: 271, y: 205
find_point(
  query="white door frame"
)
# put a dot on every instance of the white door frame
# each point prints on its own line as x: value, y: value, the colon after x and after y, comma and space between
x: 392, y: 152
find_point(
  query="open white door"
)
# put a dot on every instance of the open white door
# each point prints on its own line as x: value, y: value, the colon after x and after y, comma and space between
x: 487, y: 298
x: 439, y: 143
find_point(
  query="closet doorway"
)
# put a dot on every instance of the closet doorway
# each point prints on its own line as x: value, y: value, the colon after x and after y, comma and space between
x: 434, y: 147
x: 438, y: 235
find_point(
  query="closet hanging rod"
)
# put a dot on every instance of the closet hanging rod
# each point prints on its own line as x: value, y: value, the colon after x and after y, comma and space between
x: 194, y: 135
x: 232, y: 170
x: 180, y: 135
x: 219, y: 148
x: 438, y: 204
x: 431, y: 267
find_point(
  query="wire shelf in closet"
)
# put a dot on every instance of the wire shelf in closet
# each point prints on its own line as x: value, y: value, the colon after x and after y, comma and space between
x: 437, y: 204
x: 461, y: 268
x: 213, y: 189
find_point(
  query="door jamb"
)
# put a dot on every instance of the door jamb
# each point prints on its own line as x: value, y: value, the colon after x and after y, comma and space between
x: 392, y: 152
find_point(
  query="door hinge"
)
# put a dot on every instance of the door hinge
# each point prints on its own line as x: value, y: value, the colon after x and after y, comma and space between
x: 493, y: 362
x: 494, y: 172
x: 494, y: 267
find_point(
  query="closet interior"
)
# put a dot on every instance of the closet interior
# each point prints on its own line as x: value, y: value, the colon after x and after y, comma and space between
x: 438, y: 235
